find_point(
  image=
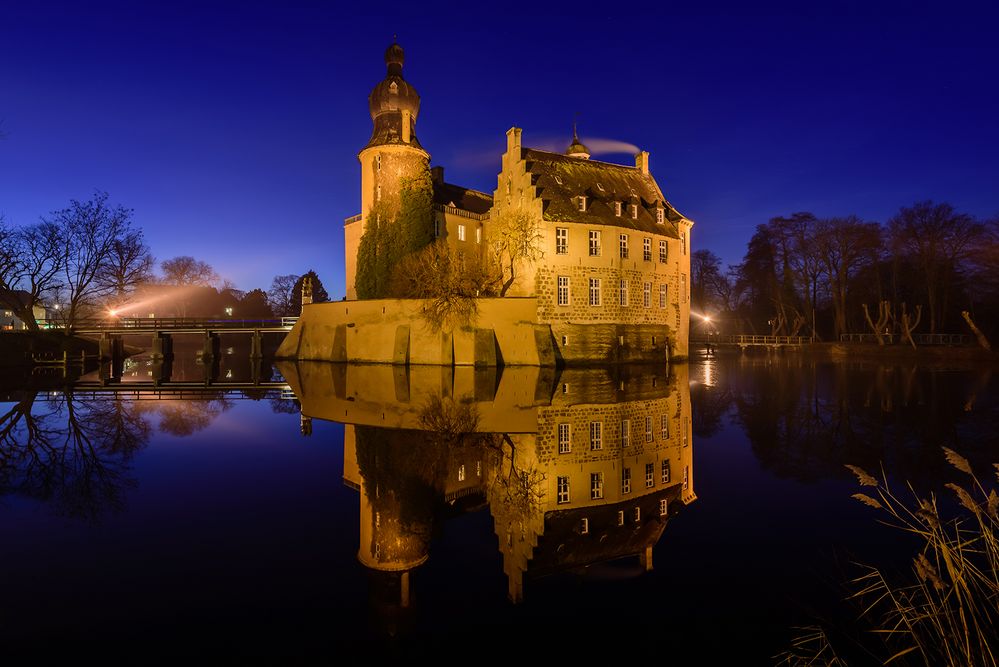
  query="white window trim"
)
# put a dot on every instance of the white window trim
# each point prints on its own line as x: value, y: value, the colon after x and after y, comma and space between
x: 461, y: 232
x: 564, y: 443
x: 562, y: 234
x: 562, y: 490
x: 623, y: 294
x: 596, y: 435
x: 567, y: 291
x: 595, y: 290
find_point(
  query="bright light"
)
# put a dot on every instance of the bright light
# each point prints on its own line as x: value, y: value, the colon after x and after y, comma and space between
x: 112, y: 313
x: 706, y: 318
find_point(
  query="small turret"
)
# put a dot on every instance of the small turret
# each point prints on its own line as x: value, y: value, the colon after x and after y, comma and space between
x: 577, y: 149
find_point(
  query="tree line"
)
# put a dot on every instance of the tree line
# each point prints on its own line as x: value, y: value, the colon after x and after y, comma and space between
x: 803, y: 275
x: 90, y: 260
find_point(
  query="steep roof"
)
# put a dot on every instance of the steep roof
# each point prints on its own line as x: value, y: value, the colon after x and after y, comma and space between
x: 561, y: 179
x: 473, y: 201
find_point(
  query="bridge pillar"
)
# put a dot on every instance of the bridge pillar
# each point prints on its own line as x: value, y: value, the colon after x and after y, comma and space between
x: 162, y: 346
x: 210, y: 357
x: 162, y: 369
x: 255, y: 346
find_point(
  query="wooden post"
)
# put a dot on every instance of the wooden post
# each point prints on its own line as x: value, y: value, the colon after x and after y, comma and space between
x: 982, y: 340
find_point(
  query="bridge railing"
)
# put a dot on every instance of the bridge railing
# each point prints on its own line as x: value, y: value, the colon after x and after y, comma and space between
x: 748, y: 339
x: 147, y: 323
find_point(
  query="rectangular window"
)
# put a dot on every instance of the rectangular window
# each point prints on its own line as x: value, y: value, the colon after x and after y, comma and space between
x: 596, y: 485
x: 623, y: 300
x: 461, y: 232
x: 623, y: 238
x: 662, y: 507
x: 650, y: 475
x: 378, y: 163
x: 563, y: 490
x: 638, y: 514
x: 665, y: 471
x: 478, y: 234
x: 686, y: 477
x: 582, y: 203
x: 625, y: 432
x: 584, y: 526
x: 683, y: 432
x: 594, y: 291
x: 594, y: 243
x: 683, y: 287
x: 664, y: 425
x: 662, y: 295
x: 647, y: 250
x: 634, y: 211
x: 596, y: 435
x: 662, y: 252
x: 461, y: 473
x: 561, y: 241
x: 617, y: 209
x: 660, y: 216
x: 647, y: 295
x: 620, y: 517
x: 625, y: 480
x: 648, y: 428
x: 564, y: 438
x: 683, y: 243
x: 478, y: 468
x: 563, y: 290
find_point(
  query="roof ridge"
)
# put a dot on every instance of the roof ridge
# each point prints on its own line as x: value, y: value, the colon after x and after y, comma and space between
x: 577, y: 160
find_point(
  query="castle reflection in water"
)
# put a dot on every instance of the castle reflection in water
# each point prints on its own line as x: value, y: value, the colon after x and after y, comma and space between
x: 576, y: 467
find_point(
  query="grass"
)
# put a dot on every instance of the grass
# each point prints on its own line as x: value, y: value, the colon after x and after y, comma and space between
x: 945, y: 611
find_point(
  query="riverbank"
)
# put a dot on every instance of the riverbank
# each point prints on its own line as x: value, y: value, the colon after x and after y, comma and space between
x: 25, y: 348
x: 869, y: 352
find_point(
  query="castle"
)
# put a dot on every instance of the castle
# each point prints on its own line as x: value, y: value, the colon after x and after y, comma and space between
x: 610, y: 282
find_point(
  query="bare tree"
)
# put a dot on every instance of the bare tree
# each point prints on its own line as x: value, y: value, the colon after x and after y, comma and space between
x: 844, y: 246
x: 515, y: 237
x: 129, y: 264
x: 281, y: 295
x: 91, y: 232
x: 31, y: 259
x: 186, y: 270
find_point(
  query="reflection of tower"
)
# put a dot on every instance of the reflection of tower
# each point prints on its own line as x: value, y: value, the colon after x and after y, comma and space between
x: 392, y: 156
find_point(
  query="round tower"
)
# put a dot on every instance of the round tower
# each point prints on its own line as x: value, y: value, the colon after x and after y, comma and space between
x: 393, y: 153
x: 392, y: 156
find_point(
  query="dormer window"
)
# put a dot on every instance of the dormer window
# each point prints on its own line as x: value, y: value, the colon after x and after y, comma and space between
x: 600, y: 186
x: 582, y: 203
x: 660, y: 216
x: 617, y: 209
x: 558, y: 179
x: 634, y: 211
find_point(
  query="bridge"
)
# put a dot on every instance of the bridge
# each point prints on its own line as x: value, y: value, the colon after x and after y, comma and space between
x: 744, y: 341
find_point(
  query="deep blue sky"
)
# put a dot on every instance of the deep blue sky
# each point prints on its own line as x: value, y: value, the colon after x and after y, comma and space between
x: 232, y: 129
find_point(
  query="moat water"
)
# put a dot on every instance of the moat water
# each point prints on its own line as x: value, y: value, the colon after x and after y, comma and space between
x: 222, y: 524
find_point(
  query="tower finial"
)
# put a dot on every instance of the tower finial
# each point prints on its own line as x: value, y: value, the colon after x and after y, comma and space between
x: 576, y: 148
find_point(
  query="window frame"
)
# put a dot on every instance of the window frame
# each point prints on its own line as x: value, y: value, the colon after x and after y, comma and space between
x: 596, y: 485
x: 595, y: 243
x: 622, y: 240
x: 561, y: 240
x: 563, y: 290
x: 596, y: 290
x: 564, y: 437
x: 563, y: 493
x: 596, y: 436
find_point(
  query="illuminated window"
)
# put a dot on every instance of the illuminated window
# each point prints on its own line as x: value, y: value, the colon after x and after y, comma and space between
x: 634, y: 211
x: 662, y: 295
x: 478, y: 234
x: 594, y: 291
x: 647, y: 295
x: 662, y: 507
x: 650, y: 475
x: 478, y: 468
x: 561, y: 241
x: 626, y: 480
x: 638, y: 514
x: 684, y: 432
x: 683, y: 243
x: 665, y: 472
x: 620, y: 517
x: 563, y: 290
x: 647, y: 249
x: 617, y: 209
x: 564, y: 438
x: 584, y: 526
x: 683, y: 287
x: 686, y: 477
x: 594, y: 243
x: 662, y: 252
x: 596, y: 435
x: 623, y: 238
x: 461, y: 232
x: 660, y: 216
x: 596, y: 485
x: 623, y: 298
x: 625, y: 432
x: 582, y: 203
x: 563, y: 490
x: 648, y: 428
x: 461, y: 473
x: 600, y: 186
x: 664, y: 424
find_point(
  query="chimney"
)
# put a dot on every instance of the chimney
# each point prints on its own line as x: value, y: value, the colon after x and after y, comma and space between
x: 642, y: 161
x: 513, y: 139
x: 406, y: 126
x: 437, y: 174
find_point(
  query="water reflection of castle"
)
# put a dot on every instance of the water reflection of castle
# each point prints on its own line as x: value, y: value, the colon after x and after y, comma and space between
x: 576, y: 468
